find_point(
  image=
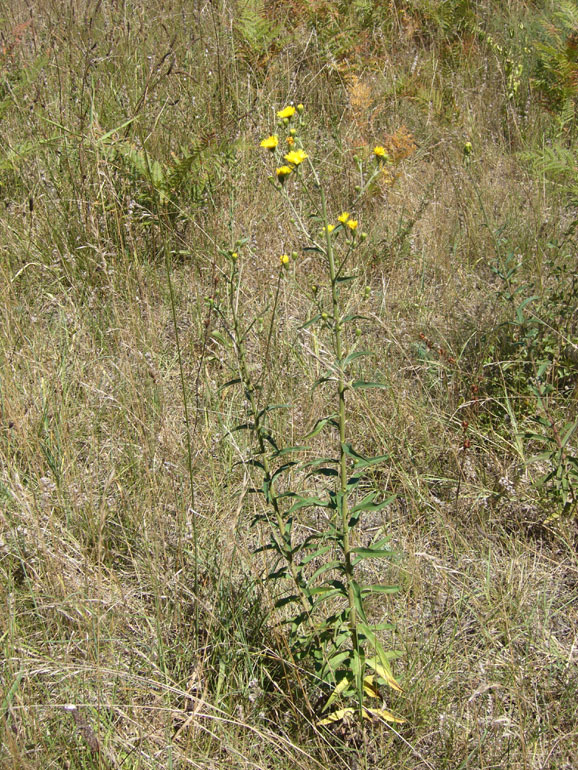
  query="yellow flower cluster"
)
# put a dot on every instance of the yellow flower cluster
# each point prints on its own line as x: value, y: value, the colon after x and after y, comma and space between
x: 294, y: 157
x: 283, y: 172
x: 346, y: 220
x: 286, y: 113
x: 271, y: 142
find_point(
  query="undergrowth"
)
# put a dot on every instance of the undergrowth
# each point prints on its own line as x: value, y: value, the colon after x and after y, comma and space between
x: 167, y: 533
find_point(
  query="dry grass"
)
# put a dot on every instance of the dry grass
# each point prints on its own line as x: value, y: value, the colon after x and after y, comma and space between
x: 119, y: 648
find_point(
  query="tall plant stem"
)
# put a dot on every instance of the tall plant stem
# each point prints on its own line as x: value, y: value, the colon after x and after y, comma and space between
x: 343, y: 503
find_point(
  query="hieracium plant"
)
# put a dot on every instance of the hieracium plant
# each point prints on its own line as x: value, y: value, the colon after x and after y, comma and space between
x: 318, y: 570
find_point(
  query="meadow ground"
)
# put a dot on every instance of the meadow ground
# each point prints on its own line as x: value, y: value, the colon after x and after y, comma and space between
x: 138, y: 628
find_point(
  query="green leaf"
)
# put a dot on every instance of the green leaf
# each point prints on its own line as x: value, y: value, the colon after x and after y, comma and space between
x: 281, y: 470
x: 371, y: 553
x: 522, y: 306
x: 379, y: 589
x: 354, y: 317
x: 364, y: 385
x: 228, y: 384
x: 380, y: 663
x: 243, y: 426
x: 306, y: 502
x: 288, y: 450
x: 353, y: 356
x: 272, y: 408
x: 345, y: 279
x: 311, y: 321
x: 319, y: 552
x: 358, y: 600
x: 327, y: 378
x: 276, y: 574
x: 339, y: 688
x: 323, y: 472
x: 255, y: 463
x: 336, y: 660
x: 320, y: 461
x: 351, y: 452
x: 321, y: 423
x: 338, y: 565
x: 570, y: 428
x: 293, y: 599
x: 368, y: 504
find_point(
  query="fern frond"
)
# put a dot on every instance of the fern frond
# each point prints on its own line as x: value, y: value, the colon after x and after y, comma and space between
x: 252, y: 27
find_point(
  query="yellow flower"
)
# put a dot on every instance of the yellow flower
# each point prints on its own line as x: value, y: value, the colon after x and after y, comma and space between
x: 329, y: 228
x: 380, y: 152
x: 352, y: 224
x: 284, y: 258
x: 290, y: 141
x: 283, y: 172
x: 300, y: 108
x: 234, y: 256
x: 343, y: 218
x: 295, y: 157
x: 270, y: 142
x: 288, y: 112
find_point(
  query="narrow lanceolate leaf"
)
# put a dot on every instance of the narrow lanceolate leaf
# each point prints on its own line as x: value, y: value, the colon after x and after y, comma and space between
x: 277, y: 574
x: 368, y: 713
x: 289, y: 450
x: 310, y: 556
x: 372, y: 461
x: 326, y: 378
x: 337, y: 565
x: 321, y: 423
x: 371, y: 553
x: 228, y: 384
x: 369, y: 686
x: 323, y: 593
x: 353, y: 453
x: 339, y: 688
x: 379, y: 589
x: 324, y: 472
x: 334, y: 662
x: 321, y: 461
x: 293, y: 599
x: 365, y: 385
x: 353, y: 356
x: 281, y: 470
x: 382, y: 714
x: 306, y: 502
x: 358, y: 600
x: 380, y: 663
x: 336, y: 716
x: 356, y: 513
x: 311, y: 321
x: 243, y: 426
